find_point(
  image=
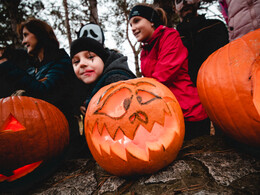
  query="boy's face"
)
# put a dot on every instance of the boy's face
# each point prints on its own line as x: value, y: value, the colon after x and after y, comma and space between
x: 87, y: 66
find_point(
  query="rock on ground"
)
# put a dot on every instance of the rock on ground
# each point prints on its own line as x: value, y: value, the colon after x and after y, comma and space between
x: 205, y: 165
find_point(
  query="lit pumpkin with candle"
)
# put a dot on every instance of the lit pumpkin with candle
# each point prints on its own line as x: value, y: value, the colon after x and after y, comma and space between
x: 32, y: 134
x: 134, y: 127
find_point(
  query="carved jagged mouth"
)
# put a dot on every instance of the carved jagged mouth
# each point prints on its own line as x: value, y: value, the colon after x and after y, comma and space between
x: 20, y: 172
x: 158, y: 139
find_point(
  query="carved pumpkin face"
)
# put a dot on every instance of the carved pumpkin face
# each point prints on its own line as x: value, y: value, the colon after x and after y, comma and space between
x: 134, y: 127
x: 32, y: 132
x: 229, y: 88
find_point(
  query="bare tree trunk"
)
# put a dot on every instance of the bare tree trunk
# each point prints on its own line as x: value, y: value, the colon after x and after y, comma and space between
x: 67, y: 24
x: 13, y: 13
x: 93, y: 11
x: 135, y: 52
x: 137, y: 66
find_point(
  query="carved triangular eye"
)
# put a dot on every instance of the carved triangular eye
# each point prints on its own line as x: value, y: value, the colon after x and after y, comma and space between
x: 12, y: 124
x: 117, y: 104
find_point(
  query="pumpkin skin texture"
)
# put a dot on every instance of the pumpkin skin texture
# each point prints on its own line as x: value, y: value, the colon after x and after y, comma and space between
x: 229, y: 88
x: 134, y: 127
x: 33, y: 133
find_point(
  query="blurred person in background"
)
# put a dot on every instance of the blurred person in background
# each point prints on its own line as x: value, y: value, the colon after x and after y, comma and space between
x: 199, y: 35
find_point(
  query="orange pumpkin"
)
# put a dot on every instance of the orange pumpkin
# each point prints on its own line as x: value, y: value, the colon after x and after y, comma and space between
x: 229, y: 88
x: 32, y: 132
x: 134, y: 127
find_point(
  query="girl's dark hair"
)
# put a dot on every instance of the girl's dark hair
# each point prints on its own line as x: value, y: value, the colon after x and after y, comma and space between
x: 159, y: 11
x: 43, y: 32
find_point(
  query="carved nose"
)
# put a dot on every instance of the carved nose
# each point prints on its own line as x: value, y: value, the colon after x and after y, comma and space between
x: 141, y: 116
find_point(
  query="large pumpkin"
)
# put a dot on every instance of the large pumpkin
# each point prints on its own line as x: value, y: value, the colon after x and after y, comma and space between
x: 32, y: 134
x: 134, y: 127
x: 229, y: 88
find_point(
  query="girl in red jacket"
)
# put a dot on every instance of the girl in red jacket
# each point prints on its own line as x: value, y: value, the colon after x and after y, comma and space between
x: 164, y: 58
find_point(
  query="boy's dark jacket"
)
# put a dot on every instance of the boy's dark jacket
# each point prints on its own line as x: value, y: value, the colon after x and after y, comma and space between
x: 116, y: 69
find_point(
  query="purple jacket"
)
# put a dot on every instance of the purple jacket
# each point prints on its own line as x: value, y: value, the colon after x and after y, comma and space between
x: 243, y: 17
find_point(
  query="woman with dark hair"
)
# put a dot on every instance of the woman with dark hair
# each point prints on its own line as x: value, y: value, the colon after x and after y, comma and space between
x: 50, y: 75
x: 164, y: 58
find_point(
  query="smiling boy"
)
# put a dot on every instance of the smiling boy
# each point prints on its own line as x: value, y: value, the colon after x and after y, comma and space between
x: 96, y: 67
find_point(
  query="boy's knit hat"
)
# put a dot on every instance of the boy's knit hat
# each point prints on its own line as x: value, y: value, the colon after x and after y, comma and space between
x: 88, y: 44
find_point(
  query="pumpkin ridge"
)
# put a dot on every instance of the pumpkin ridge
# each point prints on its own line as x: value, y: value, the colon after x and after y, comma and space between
x: 57, y: 129
x: 256, y: 84
x: 242, y: 111
x: 220, y: 97
x: 232, y: 81
x: 1, y: 114
x: 65, y: 125
x: 255, y: 69
x: 251, y: 65
x: 45, y: 125
x: 239, y: 100
x: 201, y: 85
x: 218, y: 90
x: 60, y: 141
x: 23, y: 122
x: 35, y: 104
x: 255, y: 91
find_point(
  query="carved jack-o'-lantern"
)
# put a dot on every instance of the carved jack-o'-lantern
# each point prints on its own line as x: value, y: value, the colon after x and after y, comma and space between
x: 32, y: 133
x: 229, y: 88
x: 134, y: 127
